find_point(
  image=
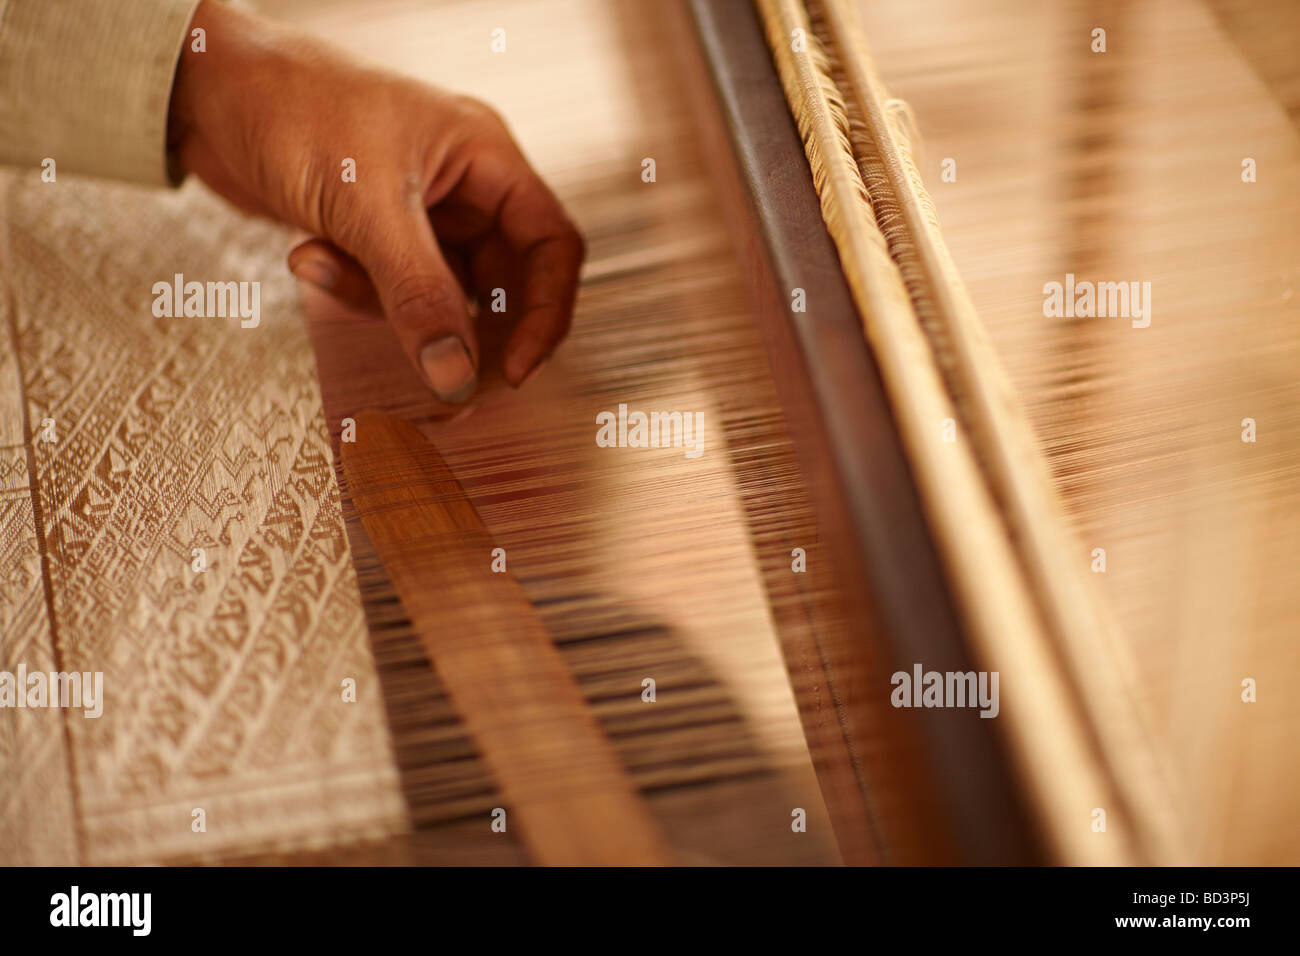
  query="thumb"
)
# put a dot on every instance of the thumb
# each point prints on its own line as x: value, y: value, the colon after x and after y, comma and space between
x: 423, y: 301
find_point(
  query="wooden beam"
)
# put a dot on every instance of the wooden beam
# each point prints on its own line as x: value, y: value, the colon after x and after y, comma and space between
x: 905, y: 786
x: 574, y: 801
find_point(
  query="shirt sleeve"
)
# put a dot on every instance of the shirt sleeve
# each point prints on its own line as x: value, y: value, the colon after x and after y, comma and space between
x: 87, y: 83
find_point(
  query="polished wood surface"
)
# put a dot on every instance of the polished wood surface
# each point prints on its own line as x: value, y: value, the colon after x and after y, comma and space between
x: 558, y: 773
x: 937, y: 788
x: 641, y: 562
x: 1118, y: 166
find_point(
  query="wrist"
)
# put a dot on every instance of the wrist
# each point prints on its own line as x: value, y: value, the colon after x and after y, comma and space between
x: 208, y: 74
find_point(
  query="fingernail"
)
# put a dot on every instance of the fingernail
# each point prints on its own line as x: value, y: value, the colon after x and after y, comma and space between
x: 536, y: 368
x: 315, y: 272
x: 448, y: 368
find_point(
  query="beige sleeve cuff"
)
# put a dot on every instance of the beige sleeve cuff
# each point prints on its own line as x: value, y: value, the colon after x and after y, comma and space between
x: 87, y: 83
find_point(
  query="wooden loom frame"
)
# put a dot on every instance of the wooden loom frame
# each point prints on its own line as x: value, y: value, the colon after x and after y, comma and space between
x: 922, y: 578
x: 916, y: 786
x: 850, y: 450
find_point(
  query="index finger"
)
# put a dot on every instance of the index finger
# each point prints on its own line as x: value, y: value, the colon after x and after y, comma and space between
x: 550, y: 250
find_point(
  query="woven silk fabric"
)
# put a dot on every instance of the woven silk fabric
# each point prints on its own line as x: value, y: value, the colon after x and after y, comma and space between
x: 223, y: 689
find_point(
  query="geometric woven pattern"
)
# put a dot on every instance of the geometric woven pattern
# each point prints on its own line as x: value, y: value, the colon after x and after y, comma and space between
x: 174, y: 437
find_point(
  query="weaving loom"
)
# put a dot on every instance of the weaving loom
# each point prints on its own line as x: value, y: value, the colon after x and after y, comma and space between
x: 779, y: 165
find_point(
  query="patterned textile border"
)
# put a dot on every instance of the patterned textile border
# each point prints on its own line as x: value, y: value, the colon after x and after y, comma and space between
x: 223, y: 688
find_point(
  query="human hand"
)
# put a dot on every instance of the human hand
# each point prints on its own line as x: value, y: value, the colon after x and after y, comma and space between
x: 444, y: 208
